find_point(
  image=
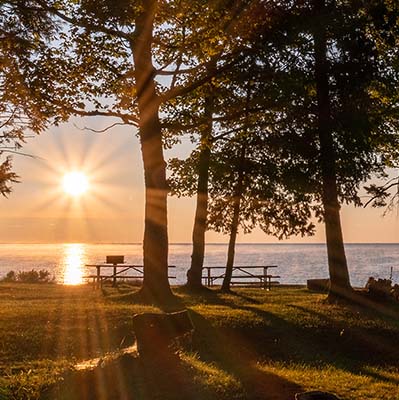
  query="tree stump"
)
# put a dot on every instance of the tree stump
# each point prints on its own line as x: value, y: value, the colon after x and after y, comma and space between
x: 318, y: 285
x: 156, y: 332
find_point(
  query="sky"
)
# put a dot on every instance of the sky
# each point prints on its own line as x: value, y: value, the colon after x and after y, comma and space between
x: 39, y: 211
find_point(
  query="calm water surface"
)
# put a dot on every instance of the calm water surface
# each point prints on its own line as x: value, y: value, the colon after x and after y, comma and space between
x: 296, y: 262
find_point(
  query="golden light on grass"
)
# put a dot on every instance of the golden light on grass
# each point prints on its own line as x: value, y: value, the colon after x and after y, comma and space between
x: 75, y: 183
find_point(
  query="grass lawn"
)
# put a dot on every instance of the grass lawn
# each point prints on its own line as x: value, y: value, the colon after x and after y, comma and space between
x: 253, y: 344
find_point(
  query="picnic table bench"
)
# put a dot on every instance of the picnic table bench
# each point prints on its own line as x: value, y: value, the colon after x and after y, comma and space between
x: 245, y: 275
x: 118, y: 271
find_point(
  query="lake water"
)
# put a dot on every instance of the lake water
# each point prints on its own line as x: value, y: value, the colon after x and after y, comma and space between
x: 296, y: 262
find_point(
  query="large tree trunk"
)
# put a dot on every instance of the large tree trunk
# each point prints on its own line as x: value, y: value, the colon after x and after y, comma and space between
x: 338, y: 269
x: 155, y: 244
x: 194, y: 274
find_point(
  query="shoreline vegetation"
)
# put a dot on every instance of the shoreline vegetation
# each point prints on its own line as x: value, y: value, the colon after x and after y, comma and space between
x: 248, y: 344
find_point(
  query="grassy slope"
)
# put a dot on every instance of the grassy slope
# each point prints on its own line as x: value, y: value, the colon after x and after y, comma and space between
x: 254, y: 344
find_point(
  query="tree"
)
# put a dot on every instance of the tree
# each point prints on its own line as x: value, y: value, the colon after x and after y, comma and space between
x: 339, y: 275
x: 384, y: 28
x: 334, y: 121
x: 248, y: 186
x: 23, y: 36
x: 194, y: 274
x: 215, y: 111
x: 128, y: 60
x: 197, y: 110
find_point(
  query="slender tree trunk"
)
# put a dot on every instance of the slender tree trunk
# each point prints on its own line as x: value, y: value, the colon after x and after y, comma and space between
x: 234, y: 225
x: 338, y: 269
x: 155, y: 244
x: 194, y: 274
x: 232, y: 244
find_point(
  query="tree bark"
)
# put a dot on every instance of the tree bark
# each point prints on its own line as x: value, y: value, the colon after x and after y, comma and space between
x: 194, y: 274
x: 155, y: 243
x: 337, y: 264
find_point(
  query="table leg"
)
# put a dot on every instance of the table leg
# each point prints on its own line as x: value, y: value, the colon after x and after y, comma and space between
x: 264, y: 277
x: 114, y: 278
x: 98, y: 277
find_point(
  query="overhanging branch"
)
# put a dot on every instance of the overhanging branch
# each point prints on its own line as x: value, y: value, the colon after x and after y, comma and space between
x: 127, y: 119
x: 100, y: 130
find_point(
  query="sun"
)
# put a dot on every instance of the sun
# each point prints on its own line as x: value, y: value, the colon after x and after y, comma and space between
x: 75, y: 183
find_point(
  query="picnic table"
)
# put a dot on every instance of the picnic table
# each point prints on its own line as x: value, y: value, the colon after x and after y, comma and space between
x: 119, y: 270
x: 244, y: 275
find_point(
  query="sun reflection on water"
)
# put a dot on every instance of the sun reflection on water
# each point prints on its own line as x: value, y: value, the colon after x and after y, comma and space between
x: 74, y: 255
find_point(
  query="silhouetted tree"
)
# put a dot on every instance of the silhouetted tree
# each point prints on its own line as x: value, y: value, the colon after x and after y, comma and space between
x: 217, y: 110
x: 197, y: 111
x: 334, y: 119
x: 130, y: 59
x: 248, y: 187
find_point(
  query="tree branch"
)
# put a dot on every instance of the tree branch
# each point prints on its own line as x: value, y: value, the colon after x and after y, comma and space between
x: 10, y: 117
x: 127, y: 119
x: 100, y: 130
x: 85, y: 24
x: 19, y: 153
x: 383, y: 190
x: 185, y: 89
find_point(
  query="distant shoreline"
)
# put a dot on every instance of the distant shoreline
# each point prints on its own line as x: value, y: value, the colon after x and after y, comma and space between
x: 297, y: 262
x: 208, y: 244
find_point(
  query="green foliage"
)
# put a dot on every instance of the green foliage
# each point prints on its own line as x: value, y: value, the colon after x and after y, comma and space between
x: 184, y: 175
x: 23, y: 107
x: 7, y: 176
x: 266, y: 199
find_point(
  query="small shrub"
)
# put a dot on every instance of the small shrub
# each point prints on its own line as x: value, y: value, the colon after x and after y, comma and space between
x: 44, y: 276
x: 10, y: 277
x: 382, y: 289
x: 33, y: 276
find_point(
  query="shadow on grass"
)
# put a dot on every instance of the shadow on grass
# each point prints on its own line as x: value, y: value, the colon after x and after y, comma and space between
x: 348, y: 348
x: 233, y: 354
x: 378, y: 376
x: 311, y: 337
x: 129, y: 377
x: 230, y: 373
x: 129, y: 295
x: 373, y: 345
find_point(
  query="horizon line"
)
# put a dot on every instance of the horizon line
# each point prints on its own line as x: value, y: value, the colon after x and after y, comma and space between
x: 210, y: 243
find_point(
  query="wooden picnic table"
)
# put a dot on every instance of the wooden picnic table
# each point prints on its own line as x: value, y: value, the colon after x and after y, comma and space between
x: 249, y: 275
x: 117, y: 271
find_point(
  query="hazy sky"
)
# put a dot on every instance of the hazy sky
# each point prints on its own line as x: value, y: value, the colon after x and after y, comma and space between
x: 39, y: 210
